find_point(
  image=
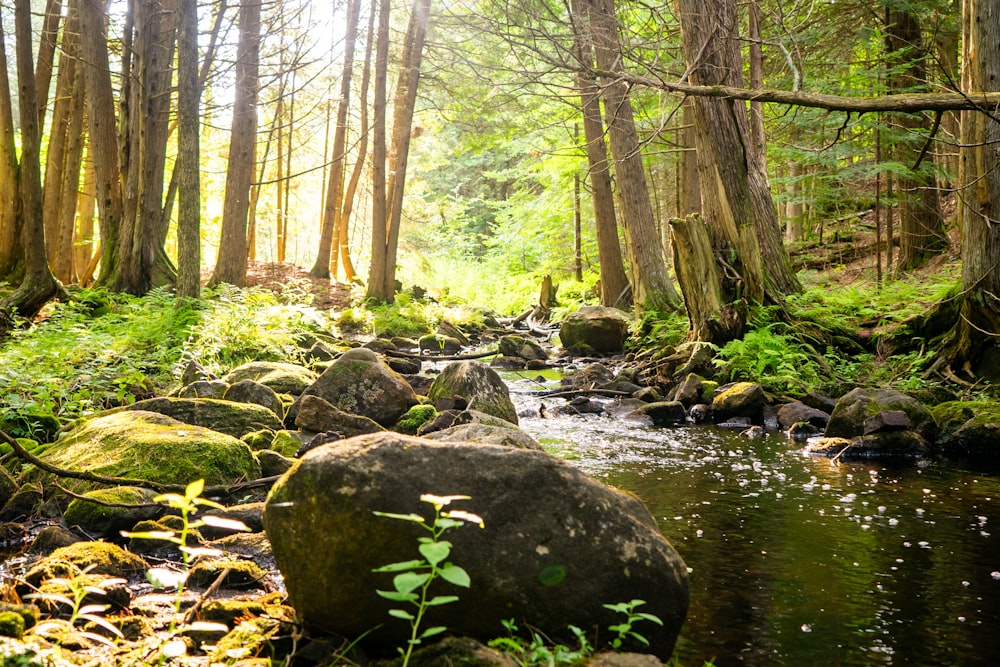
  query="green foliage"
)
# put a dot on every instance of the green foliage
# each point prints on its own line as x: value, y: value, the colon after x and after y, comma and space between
x: 413, y: 578
x: 538, y: 651
x: 406, y: 316
x: 74, y: 600
x: 624, y: 630
x: 778, y: 361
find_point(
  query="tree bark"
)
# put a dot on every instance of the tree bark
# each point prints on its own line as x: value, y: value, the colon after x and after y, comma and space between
x: 231, y: 264
x: 332, y: 218
x: 377, y: 289
x: 614, y: 281
x: 651, y: 282
x: 921, y: 222
x: 972, y: 346
x: 711, y: 312
x: 11, y: 251
x: 188, y: 154
x: 46, y: 57
x: 38, y: 285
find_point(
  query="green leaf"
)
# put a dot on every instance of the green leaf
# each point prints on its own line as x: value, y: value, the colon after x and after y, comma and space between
x: 435, y: 552
x: 194, y: 489
x: 400, y: 566
x: 410, y: 581
x: 649, y: 617
x: 415, y: 518
x: 396, y: 596
x: 454, y: 574
x: 441, y: 599
x: 430, y: 632
x: 401, y: 613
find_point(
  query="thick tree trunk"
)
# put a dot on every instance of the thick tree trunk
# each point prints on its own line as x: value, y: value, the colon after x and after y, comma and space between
x: 689, y: 195
x: 66, y: 218
x: 650, y: 279
x: 711, y: 314
x: 973, y: 344
x: 231, y: 264
x: 188, y: 154
x: 332, y: 218
x: 102, y: 130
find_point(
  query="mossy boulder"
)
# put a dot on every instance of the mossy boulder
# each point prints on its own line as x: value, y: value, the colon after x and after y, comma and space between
x: 101, y: 557
x: 242, y: 573
x: 11, y: 624
x: 740, y: 399
x: 521, y: 347
x: 40, y: 426
x: 968, y: 428
x: 848, y: 418
x: 689, y: 390
x: 230, y: 417
x: 250, y: 391
x: 797, y: 412
x: 151, y: 446
x: 478, y: 384
x: 414, y: 418
x: 274, y: 463
x: 439, y: 344
x: 360, y: 383
x: 597, y: 329
x: 320, y: 416
x: 23, y: 504
x: 51, y: 538
x: 106, y: 516
x: 282, y: 378
x: 8, y: 487
x: 487, y: 434
x: 545, y: 553
x: 661, y: 413
x: 890, y: 446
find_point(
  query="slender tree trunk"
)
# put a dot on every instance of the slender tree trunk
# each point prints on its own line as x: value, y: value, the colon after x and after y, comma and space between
x: 46, y: 57
x: 66, y: 221
x: 402, y: 133
x: 377, y: 289
x: 651, y: 281
x: 921, y: 223
x: 690, y: 188
x: 614, y: 281
x: 11, y: 251
x: 188, y: 154
x: 38, y: 285
x: 332, y: 219
x: 86, y: 203
x: 231, y: 265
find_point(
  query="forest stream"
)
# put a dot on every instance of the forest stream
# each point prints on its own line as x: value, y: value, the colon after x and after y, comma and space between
x: 797, y: 560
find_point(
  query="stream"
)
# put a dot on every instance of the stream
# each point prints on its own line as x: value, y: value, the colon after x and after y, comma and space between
x: 797, y: 560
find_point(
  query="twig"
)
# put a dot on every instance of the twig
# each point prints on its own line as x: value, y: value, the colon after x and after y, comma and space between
x: 836, y: 459
x: 434, y: 357
x: 103, y: 503
x: 210, y: 591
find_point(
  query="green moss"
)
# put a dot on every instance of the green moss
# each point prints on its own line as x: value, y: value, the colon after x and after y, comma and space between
x: 708, y: 388
x: 251, y: 638
x: 258, y: 440
x: 11, y: 624
x: 29, y: 613
x: 242, y: 573
x: 151, y: 446
x: 949, y: 416
x: 414, y: 418
x: 90, y: 514
x: 102, y: 557
x: 286, y: 443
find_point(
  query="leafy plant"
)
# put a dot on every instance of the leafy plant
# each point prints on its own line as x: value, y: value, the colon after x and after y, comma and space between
x: 187, y: 504
x: 74, y: 600
x: 624, y: 629
x: 413, y: 578
x: 777, y: 361
x: 537, y: 651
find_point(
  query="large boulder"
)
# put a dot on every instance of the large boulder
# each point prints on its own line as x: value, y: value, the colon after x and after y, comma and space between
x: 151, y: 446
x: 250, y: 391
x: 282, y: 378
x: 882, y: 446
x: 593, y: 329
x: 360, y: 383
x: 320, y: 416
x: 740, y: 399
x: 521, y: 347
x: 968, y: 428
x: 797, y: 412
x: 858, y: 405
x: 478, y: 384
x: 229, y: 417
x: 487, y: 434
x: 556, y: 546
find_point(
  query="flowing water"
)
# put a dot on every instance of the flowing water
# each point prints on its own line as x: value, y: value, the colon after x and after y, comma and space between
x: 799, y: 561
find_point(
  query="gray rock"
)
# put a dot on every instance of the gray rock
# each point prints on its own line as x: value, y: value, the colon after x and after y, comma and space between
x: 519, y: 346
x: 204, y: 389
x: 316, y: 414
x: 479, y: 384
x: 556, y: 545
x: 848, y: 418
x: 486, y: 434
x: 796, y: 411
x: 282, y: 378
x: 887, y: 420
x: 689, y: 390
x: 883, y: 446
x: 595, y: 329
x: 664, y: 412
x: 360, y: 383
x: 251, y: 391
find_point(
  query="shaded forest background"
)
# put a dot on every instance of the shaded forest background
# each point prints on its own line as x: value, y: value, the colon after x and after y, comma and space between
x: 472, y: 148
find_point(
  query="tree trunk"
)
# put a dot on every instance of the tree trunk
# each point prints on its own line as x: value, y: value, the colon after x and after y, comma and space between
x: 102, y: 130
x: 188, y: 154
x: 332, y: 218
x: 614, y: 281
x: 377, y: 289
x: 38, y: 285
x: 231, y: 265
x: 921, y: 223
x: 402, y: 132
x: 46, y: 57
x: 972, y: 346
x: 690, y: 188
x: 653, y: 289
x: 712, y: 315
x: 86, y: 202
x: 11, y: 251
x: 66, y: 219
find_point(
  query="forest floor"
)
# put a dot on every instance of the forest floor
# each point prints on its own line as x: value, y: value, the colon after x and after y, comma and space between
x: 281, y: 276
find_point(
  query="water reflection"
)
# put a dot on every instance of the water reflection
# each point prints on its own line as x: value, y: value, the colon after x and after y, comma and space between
x: 799, y: 562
